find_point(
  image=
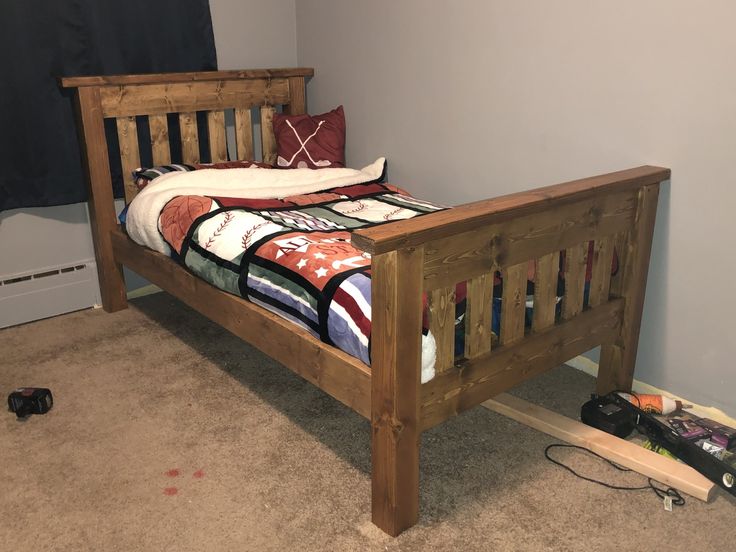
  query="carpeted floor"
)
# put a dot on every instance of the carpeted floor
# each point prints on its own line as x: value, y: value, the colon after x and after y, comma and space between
x: 168, y: 433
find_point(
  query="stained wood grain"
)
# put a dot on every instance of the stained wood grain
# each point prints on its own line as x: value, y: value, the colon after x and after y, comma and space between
x: 600, y: 279
x: 575, y: 266
x: 396, y: 364
x: 217, y: 136
x: 121, y: 101
x: 618, y: 358
x: 189, y: 137
x: 198, y: 76
x: 337, y: 373
x: 129, y: 155
x: 244, y: 134
x: 297, y: 97
x: 442, y: 326
x: 479, y: 214
x: 103, y: 221
x: 160, y: 147
x: 513, y: 303
x: 478, y: 315
x: 268, y: 139
x: 478, y: 380
x: 545, y: 291
x: 526, y: 237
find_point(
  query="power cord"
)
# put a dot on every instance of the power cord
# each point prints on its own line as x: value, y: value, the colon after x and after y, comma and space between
x: 677, y: 499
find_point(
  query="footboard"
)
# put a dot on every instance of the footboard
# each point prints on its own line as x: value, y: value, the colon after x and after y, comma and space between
x: 520, y: 237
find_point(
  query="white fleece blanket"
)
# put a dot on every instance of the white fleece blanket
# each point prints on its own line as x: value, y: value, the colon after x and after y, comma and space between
x: 143, y: 214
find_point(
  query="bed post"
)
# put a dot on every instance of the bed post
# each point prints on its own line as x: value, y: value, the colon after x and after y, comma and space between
x: 95, y: 159
x: 396, y: 366
x: 616, y: 368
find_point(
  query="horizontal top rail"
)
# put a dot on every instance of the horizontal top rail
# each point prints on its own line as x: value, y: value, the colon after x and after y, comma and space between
x: 161, y: 78
x: 467, y: 217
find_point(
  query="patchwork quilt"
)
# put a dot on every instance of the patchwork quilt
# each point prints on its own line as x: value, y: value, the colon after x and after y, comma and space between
x: 292, y: 255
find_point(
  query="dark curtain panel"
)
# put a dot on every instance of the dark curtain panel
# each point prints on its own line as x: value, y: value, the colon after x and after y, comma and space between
x: 43, y: 39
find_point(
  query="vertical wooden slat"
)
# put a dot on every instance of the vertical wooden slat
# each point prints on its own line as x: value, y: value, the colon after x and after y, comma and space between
x: 101, y: 205
x: 620, y: 249
x: 189, y: 137
x: 572, y: 301
x: 513, y: 303
x: 600, y: 278
x: 545, y: 291
x: 478, y: 315
x: 297, y: 97
x: 160, y: 139
x: 268, y: 140
x: 442, y: 326
x: 244, y: 134
x: 217, y: 136
x: 129, y: 154
x: 616, y: 368
x: 396, y: 290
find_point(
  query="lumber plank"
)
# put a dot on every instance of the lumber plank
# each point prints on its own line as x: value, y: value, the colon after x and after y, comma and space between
x: 665, y: 470
x: 396, y: 365
x: 442, y: 326
x: 216, y: 133
x: 600, y: 279
x: 513, y: 303
x: 546, y: 273
x: 471, y: 216
x: 244, y: 134
x: 575, y: 266
x: 129, y: 155
x: 475, y: 381
x: 297, y: 96
x: 478, y: 315
x: 337, y: 373
x: 514, y: 241
x: 160, y: 146
x: 189, y: 137
x: 618, y: 358
x: 103, y: 220
x: 192, y: 76
x: 268, y: 138
x: 147, y: 99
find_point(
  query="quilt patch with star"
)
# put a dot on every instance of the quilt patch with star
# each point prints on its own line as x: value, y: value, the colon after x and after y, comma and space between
x: 293, y: 256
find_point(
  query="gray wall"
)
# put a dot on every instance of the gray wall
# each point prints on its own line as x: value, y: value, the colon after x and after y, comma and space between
x: 471, y: 99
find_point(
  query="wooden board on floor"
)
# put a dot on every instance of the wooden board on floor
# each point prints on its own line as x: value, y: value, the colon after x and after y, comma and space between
x: 663, y: 469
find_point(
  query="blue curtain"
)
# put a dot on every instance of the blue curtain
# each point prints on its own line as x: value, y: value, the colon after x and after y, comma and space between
x: 40, y: 40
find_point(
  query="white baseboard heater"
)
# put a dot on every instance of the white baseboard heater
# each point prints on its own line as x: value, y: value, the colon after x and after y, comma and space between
x: 47, y: 292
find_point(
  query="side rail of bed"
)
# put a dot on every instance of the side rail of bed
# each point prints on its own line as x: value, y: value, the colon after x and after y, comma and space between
x: 509, y: 235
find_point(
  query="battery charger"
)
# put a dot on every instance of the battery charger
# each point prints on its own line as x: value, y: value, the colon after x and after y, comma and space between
x: 602, y: 413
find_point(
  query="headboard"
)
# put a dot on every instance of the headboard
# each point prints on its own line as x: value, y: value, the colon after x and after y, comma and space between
x: 156, y: 96
x: 124, y: 97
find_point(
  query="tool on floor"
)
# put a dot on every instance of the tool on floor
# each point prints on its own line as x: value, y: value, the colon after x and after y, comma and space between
x: 25, y: 401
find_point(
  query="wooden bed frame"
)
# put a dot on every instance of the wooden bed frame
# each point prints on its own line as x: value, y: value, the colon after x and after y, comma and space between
x: 429, y: 254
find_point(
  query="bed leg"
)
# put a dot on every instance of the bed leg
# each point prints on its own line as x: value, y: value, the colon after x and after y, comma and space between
x: 93, y: 145
x: 616, y: 368
x: 112, y: 285
x: 395, y: 387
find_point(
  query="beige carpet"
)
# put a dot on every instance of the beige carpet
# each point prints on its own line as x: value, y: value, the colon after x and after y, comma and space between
x: 170, y: 434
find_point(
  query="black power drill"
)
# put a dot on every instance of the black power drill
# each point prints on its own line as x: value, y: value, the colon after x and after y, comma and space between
x: 25, y: 401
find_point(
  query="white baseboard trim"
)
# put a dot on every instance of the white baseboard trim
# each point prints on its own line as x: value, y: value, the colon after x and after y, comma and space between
x: 590, y: 367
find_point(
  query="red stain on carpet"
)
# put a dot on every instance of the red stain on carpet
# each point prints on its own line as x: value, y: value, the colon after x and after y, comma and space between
x: 170, y: 491
x: 174, y: 472
x: 199, y: 474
